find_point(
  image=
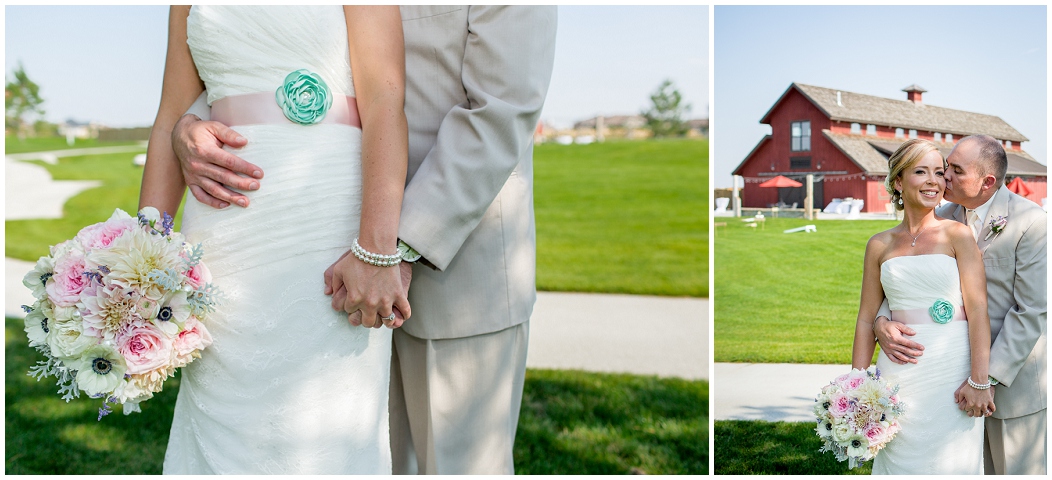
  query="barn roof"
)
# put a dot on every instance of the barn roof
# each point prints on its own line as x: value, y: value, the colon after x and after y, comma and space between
x: 869, y: 109
x: 871, y: 154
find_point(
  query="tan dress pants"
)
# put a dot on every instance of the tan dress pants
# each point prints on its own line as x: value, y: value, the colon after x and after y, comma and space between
x: 1016, y: 446
x: 454, y: 403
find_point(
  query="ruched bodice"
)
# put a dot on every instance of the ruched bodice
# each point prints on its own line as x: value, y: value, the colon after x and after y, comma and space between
x: 249, y: 49
x: 916, y: 281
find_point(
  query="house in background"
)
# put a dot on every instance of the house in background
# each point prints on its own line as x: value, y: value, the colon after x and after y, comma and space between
x: 845, y: 139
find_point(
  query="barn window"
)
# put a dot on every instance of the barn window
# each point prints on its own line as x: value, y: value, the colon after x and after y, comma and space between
x: 913, y: 133
x: 800, y: 163
x: 938, y: 137
x: 899, y: 133
x: 801, y: 135
x: 949, y: 138
x: 1008, y: 144
x: 856, y: 129
x: 871, y: 130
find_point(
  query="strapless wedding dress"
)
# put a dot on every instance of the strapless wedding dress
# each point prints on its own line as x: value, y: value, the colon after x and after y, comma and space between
x: 936, y: 436
x: 288, y: 386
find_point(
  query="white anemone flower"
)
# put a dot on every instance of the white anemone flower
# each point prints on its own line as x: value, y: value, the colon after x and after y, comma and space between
x: 173, y: 314
x: 37, y: 326
x: 37, y: 278
x: 100, y: 370
x: 857, y: 446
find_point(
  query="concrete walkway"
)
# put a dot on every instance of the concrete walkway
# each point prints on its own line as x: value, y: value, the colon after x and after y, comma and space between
x: 769, y: 391
x: 594, y: 332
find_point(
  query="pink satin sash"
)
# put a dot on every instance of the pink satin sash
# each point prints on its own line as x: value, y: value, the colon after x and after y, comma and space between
x: 261, y: 109
x: 920, y: 316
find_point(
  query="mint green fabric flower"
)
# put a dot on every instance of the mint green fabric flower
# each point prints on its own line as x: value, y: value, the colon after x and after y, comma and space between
x: 304, y: 97
x: 941, y: 311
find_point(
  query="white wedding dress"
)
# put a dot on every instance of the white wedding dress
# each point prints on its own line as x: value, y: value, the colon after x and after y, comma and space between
x: 936, y: 436
x: 288, y: 387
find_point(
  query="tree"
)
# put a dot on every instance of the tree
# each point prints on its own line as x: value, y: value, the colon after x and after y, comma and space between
x: 21, y: 98
x: 665, y: 116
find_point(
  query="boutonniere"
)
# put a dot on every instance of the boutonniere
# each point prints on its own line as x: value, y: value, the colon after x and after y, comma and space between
x: 996, y: 226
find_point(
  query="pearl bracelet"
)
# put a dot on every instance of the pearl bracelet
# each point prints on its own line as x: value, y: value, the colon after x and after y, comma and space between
x: 977, y: 386
x: 375, y: 259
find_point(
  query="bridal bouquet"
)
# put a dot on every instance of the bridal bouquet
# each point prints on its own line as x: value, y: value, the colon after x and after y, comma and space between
x: 119, y: 308
x: 858, y: 414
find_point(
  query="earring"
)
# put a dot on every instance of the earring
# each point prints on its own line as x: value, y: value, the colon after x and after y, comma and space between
x: 900, y: 200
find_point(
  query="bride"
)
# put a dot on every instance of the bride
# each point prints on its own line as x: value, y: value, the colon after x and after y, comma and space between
x: 289, y: 386
x: 931, y: 272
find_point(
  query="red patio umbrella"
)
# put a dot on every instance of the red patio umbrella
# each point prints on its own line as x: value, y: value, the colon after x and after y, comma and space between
x: 1017, y: 185
x: 781, y: 181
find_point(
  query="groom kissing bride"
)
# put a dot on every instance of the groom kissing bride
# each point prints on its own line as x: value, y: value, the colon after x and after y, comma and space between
x: 1011, y: 235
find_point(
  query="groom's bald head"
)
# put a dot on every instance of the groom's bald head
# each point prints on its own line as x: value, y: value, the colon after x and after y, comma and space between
x: 991, y: 158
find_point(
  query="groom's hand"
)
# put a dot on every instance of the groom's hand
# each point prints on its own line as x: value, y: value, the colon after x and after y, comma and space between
x: 405, y: 270
x: 892, y: 338
x: 208, y: 170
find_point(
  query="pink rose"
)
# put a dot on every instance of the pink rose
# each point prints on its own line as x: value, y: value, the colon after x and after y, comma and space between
x: 198, y: 276
x: 194, y: 337
x: 874, y: 433
x: 102, y: 234
x: 839, y: 405
x: 68, y: 280
x: 145, y: 348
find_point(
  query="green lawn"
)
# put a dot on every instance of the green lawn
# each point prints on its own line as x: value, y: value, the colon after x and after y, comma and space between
x: 627, y: 217
x: 40, y: 144
x: 788, y: 297
x: 774, y: 448
x: 570, y: 423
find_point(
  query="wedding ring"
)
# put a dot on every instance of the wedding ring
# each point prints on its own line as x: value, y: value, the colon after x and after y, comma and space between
x: 388, y: 318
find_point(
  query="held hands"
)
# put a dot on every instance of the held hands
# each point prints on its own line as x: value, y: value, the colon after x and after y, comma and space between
x: 208, y: 170
x: 975, y: 403
x: 369, y: 292
x: 892, y: 338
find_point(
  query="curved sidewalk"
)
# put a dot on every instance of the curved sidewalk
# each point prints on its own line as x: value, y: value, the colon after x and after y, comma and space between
x: 775, y: 392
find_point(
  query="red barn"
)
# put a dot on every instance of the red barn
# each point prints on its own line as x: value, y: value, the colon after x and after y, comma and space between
x: 844, y: 139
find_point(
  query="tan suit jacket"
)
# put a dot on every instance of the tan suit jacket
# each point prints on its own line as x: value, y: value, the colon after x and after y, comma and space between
x: 476, y: 79
x: 1017, y: 298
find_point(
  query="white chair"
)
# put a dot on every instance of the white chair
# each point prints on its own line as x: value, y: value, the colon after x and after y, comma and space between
x: 833, y: 206
x: 721, y: 204
x: 856, y: 209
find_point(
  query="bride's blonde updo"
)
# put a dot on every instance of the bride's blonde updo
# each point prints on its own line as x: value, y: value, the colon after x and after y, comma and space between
x: 904, y: 158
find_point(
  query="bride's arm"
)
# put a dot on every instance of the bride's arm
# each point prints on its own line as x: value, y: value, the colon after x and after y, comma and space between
x: 869, y: 303
x: 973, y: 288
x: 378, y: 68
x: 162, y: 179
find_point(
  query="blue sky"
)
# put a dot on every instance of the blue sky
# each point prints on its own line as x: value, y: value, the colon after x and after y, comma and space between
x: 106, y: 63
x: 988, y: 60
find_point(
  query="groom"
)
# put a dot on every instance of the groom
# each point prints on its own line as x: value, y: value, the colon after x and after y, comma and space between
x: 1011, y: 234
x: 476, y: 79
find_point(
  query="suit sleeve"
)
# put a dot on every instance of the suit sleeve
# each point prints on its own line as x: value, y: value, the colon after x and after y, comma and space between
x: 508, y: 61
x: 884, y: 311
x: 1025, y: 323
x: 200, y: 107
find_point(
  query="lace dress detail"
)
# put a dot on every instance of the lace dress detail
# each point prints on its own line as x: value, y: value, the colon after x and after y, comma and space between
x: 288, y: 387
x: 936, y: 437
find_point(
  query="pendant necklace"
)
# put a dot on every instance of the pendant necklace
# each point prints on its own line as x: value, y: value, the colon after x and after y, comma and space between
x: 914, y: 244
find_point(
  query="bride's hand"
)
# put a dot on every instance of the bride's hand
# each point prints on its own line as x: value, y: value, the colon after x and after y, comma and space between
x: 369, y: 292
x: 975, y: 403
